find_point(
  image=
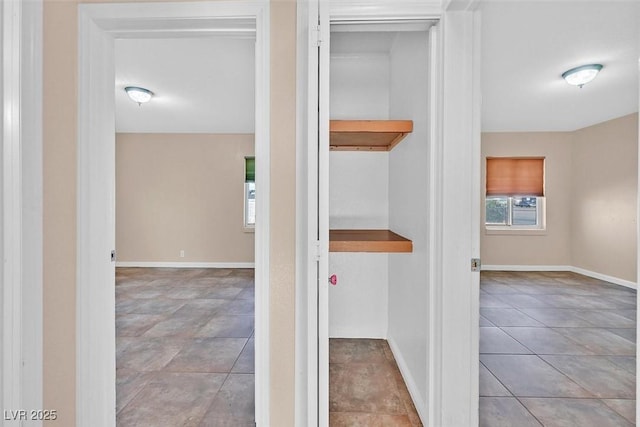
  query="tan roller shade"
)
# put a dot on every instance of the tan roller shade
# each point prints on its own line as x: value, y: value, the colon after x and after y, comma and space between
x: 511, y: 176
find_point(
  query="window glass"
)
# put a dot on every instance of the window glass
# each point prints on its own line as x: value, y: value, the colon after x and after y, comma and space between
x: 516, y: 211
x: 524, y: 211
x: 250, y: 204
x: 497, y: 210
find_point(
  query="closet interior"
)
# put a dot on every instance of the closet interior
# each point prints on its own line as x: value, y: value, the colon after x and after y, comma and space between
x: 379, y: 196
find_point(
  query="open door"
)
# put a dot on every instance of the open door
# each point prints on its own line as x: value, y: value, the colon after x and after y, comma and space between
x: 323, y: 215
x: 314, y: 148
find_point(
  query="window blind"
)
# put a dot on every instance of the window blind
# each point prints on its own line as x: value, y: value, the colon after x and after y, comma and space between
x: 249, y: 169
x: 513, y: 176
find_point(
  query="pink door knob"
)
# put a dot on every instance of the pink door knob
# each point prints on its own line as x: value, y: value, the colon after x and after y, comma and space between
x: 333, y: 279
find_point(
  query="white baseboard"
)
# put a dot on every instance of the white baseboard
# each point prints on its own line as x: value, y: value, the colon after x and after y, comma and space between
x: 526, y: 268
x: 356, y: 334
x: 611, y: 279
x: 606, y: 278
x: 418, y: 399
x: 152, y: 264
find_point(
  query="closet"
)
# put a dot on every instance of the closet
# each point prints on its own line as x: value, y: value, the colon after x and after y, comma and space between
x: 378, y: 187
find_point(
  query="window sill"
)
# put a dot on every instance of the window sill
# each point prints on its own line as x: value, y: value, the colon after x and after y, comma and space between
x: 509, y: 231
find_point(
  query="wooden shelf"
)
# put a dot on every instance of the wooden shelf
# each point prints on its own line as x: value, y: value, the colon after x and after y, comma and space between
x: 367, y: 135
x: 368, y: 241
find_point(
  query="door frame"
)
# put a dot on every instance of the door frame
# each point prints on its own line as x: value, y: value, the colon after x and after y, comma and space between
x: 99, y: 25
x: 453, y: 364
x: 21, y: 233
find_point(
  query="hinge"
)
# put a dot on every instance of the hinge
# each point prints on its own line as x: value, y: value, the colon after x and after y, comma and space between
x: 475, y: 264
x: 317, y: 35
x: 316, y: 244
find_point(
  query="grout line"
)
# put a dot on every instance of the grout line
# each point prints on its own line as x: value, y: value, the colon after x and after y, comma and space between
x: 498, y: 380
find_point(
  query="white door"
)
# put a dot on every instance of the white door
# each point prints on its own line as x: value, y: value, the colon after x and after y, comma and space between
x: 318, y: 202
x: 315, y: 149
x: 323, y: 216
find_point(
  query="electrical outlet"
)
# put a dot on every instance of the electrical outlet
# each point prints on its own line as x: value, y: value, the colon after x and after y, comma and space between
x: 181, y: 253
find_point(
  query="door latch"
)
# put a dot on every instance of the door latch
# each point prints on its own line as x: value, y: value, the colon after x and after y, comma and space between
x: 113, y: 255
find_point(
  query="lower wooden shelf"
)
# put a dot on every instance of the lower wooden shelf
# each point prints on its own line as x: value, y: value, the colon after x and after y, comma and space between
x: 368, y: 241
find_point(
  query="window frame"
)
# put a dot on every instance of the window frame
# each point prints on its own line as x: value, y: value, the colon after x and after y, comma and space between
x: 515, y: 177
x: 540, y: 225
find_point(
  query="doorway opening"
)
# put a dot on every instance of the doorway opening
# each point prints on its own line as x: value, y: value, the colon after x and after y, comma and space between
x: 101, y: 27
x: 450, y: 380
x: 185, y: 230
x: 378, y: 185
x: 558, y: 291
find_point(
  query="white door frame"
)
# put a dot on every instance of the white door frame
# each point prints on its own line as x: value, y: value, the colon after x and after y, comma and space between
x: 99, y: 25
x: 21, y: 232
x: 460, y: 225
x: 454, y: 334
x: 638, y: 259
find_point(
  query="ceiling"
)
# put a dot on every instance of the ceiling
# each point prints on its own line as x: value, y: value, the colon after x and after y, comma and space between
x: 206, y: 85
x: 201, y: 85
x: 527, y: 45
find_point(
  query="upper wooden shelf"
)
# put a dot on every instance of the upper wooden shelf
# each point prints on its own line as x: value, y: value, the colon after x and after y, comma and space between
x: 367, y: 135
x: 368, y: 241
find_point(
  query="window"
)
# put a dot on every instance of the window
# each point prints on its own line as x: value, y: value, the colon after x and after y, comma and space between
x: 249, y: 192
x: 515, y: 193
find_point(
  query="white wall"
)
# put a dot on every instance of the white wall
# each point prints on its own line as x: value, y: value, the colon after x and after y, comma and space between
x: 182, y: 192
x: 604, y: 198
x: 408, y: 207
x: 359, y: 198
x: 359, y: 86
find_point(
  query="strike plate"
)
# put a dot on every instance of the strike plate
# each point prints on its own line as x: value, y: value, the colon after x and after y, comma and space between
x: 475, y: 264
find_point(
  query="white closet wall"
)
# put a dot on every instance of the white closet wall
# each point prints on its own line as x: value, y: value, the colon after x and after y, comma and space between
x: 359, y: 198
x: 359, y: 88
x: 408, y: 211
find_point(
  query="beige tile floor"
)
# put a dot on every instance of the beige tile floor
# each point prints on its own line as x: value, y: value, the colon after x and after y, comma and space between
x: 185, y: 356
x: 366, y: 387
x: 556, y: 349
x: 185, y: 347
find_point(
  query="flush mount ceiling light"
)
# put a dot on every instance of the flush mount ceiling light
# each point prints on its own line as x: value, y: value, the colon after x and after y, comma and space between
x: 138, y: 94
x: 580, y: 76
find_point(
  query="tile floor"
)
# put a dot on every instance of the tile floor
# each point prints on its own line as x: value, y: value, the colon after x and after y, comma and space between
x: 185, y: 356
x: 556, y: 349
x: 185, y: 347
x: 365, y: 386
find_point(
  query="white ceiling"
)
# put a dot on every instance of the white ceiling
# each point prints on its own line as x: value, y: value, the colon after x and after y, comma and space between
x: 201, y: 85
x: 527, y: 45
x: 206, y: 85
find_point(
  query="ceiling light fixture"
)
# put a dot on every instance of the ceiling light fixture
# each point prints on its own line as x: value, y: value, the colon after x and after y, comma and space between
x: 138, y: 94
x: 580, y: 76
